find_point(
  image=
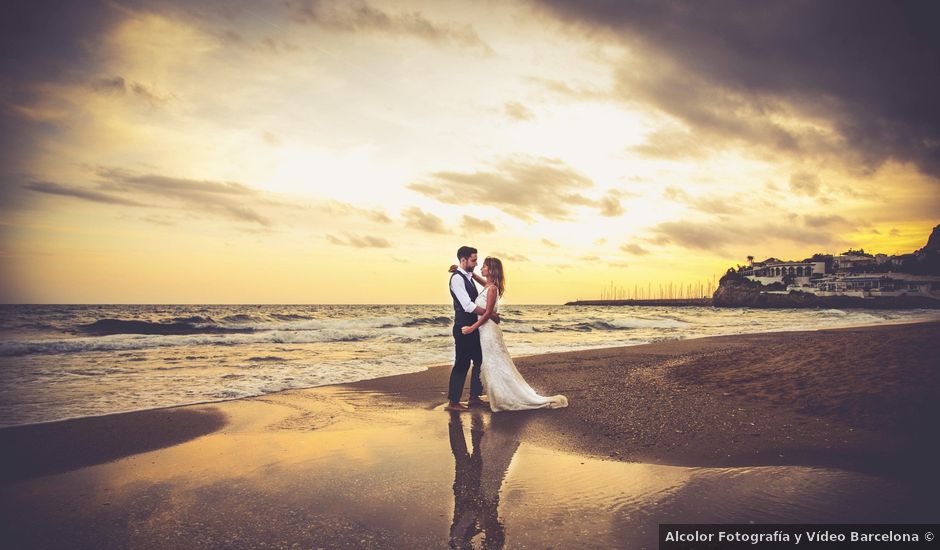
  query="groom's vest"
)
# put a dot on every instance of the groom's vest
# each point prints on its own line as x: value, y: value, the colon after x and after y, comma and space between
x: 461, y: 317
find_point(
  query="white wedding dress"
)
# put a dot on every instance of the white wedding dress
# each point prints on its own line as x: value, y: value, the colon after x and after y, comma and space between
x: 506, y: 389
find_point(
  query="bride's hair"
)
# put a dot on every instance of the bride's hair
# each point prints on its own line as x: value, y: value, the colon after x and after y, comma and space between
x: 495, y: 267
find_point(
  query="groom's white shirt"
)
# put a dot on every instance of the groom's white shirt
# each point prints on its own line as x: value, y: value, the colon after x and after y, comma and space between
x: 460, y: 291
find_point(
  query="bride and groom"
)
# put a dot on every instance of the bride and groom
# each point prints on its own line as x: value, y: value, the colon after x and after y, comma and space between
x: 478, y: 339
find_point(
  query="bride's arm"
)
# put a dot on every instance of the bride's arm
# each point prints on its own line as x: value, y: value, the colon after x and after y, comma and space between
x: 490, y: 304
x: 476, y: 277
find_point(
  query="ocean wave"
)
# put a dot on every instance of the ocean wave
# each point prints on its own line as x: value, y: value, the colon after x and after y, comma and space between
x: 241, y: 318
x: 621, y: 324
x: 107, y: 327
x: 522, y: 328
x: 126, y: 342
x: 439, y: 321
x: 636, y: 322
x: 290, y: 317
x: 193, y: 320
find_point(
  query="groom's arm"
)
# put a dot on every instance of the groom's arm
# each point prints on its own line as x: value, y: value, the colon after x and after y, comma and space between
x: 456, y: 286
x: 465, y: 302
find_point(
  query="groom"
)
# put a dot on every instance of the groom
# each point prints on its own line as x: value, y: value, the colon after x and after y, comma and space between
x: 464, y: 292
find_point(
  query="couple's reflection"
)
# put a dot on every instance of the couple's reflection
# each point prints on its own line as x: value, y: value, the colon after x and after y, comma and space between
x: 479, y: 475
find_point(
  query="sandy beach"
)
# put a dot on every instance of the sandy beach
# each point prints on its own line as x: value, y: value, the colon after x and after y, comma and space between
x: 829, y: 425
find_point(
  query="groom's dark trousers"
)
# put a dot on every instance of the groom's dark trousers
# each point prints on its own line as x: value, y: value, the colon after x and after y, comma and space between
x: 466, y: 348
x: 467, y: 351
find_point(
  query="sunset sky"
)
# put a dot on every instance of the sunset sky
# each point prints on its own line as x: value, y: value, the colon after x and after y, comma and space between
x: 340, y: 152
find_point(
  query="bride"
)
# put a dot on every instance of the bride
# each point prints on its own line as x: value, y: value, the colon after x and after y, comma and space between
x: 505, y: 387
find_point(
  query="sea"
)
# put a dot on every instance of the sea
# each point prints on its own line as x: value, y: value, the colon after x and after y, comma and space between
x: 68, y: 361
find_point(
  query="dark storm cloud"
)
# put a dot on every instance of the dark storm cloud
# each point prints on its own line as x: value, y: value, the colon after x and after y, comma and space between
x: 870, y: 68
x: 40, y: 42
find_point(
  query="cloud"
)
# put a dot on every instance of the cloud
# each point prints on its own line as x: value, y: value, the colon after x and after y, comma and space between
x: 108, y: 85
x: 161, y: 220
x: 826, y: 220
x: 610, y: 206
x: 675, y: 194
x: 360, y: 16
x: 518, y: 111
x: 672, y: 144
x: 53, y: 188
x: 418, y: 219
x: 151, y: 96
x: 564, y: 89
x: 715, y: 237
x: 552, y: 244
x: 717, y: 205
x: 523, y: 188
x: 366, y: 241
x: 337, y: 207
x: 855, y: 81
x: 118, y: 86
x: 477, y: 225
x: 228, y: 199
x: 509, y: 257
x: 710, y: 205
x: 42, y: 42
x: 805, y: 184
x: 634, y: 249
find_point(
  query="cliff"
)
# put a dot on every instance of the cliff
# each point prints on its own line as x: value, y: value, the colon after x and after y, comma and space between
x: 736, y: 290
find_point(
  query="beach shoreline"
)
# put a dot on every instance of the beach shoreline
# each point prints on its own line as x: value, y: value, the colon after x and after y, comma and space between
x: 427, y: 389
x: 916, y: 320
x: 851, y: 408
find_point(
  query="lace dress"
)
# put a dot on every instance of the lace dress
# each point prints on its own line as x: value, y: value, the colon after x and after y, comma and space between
x: 506, y: 389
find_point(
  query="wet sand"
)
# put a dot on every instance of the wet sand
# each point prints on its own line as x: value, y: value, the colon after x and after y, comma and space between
x: 859, y: 397
x: 834, y: 425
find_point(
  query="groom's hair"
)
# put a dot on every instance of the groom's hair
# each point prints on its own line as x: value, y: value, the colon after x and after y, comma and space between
x: 465, y: 252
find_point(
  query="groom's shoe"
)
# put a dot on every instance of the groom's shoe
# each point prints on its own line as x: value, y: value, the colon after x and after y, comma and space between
x: 458, y: 407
